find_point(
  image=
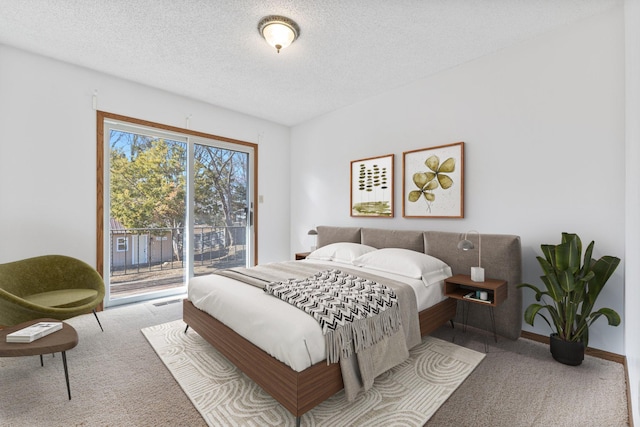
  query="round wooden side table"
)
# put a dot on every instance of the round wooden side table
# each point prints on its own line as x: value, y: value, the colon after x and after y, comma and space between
x: 59, y: 341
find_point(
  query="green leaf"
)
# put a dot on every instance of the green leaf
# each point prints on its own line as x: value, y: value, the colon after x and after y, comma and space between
x: 535, y: 289
x: 549, y: 252
x: 532, y: 311
x: 431, y: 185
x: 566, y: 279
x: 602, y: 270
x: 432, y: 163
x: 612, y: 316
x: 445, y: 181
x: 567, y: 256
x: 414, y: 195
x: 588, y: 261
x: 550, y: 280
x: 420, y: 179
x: 448, y: 166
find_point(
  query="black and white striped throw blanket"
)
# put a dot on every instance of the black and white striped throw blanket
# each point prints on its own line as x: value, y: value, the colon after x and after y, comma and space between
x: 354, y: 313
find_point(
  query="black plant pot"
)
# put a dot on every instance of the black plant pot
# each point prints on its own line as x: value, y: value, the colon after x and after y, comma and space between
x: 567, y: 352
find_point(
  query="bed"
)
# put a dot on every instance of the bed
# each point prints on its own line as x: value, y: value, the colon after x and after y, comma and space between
x: 302, y: 387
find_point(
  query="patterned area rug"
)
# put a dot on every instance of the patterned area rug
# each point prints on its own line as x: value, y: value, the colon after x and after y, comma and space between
x: 407, y: 395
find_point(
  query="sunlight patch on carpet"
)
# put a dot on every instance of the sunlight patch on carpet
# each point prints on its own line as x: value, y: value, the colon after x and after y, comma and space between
x: 408, y: 394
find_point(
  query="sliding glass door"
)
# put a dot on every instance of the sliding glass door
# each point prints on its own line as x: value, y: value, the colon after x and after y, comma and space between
x: 175, y: 205
x: 222, y: 209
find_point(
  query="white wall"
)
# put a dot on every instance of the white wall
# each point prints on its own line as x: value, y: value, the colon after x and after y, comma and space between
x: 543, y: 124
x: 632, y: 272
x: 48, y: 154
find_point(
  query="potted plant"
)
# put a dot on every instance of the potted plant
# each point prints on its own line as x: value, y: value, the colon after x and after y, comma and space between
x: 572, y: 286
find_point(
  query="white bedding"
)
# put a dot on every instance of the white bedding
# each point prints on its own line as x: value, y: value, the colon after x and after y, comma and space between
x: 281, y: 330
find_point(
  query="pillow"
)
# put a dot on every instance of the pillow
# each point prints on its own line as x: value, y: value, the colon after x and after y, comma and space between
x: 405, y: 262
x: 344, y: 252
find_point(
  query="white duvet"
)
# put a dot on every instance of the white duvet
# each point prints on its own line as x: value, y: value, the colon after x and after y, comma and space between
x: 281, y: 330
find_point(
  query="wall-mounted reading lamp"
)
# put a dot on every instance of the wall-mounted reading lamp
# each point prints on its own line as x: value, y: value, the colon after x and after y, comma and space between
x: 477, y: 273
x: 314, y: 233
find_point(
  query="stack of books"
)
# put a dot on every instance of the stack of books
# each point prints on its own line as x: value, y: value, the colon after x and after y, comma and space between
x: 33, y: 332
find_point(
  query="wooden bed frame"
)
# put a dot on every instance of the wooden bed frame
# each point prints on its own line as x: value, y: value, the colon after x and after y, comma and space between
x: 299, y: 392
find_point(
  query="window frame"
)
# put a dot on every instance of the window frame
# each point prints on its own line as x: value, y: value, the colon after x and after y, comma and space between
x: 102, y: 117
x: 120, y: 241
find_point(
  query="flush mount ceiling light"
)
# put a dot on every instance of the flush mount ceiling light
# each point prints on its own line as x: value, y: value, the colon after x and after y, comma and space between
x: 278, y: 31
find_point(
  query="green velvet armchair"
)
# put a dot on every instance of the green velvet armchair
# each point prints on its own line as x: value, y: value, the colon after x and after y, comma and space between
x: 49, y: 286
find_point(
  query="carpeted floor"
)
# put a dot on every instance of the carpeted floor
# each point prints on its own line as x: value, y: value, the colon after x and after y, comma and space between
x: 118, y: 380
x: 519, y: 384
x: 406, y: 395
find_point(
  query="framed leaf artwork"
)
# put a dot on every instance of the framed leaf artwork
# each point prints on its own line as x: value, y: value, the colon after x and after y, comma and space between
x: 372, y: 187
x: 433, y: 182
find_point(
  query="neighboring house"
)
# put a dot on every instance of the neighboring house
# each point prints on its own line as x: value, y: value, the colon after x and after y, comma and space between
x: 135, y: 247
x: 154, y: 246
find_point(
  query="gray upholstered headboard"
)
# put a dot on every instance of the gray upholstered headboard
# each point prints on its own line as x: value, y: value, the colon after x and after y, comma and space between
x: 501, y: 259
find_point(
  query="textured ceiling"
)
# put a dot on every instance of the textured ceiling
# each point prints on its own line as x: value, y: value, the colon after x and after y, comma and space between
x: 211, y: 50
